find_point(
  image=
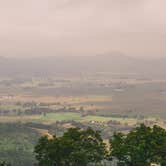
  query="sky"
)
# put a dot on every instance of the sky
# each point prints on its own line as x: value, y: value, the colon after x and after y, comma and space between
x: 82, y: 27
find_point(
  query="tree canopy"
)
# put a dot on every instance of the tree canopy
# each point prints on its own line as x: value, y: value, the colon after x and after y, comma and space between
x: 140, y: 147
x: 75, y: 148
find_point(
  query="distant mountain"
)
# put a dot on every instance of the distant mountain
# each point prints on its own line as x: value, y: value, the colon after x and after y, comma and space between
x: 113, y: 62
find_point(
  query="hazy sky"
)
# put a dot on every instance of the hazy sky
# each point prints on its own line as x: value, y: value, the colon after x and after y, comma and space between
x: 82, y: 27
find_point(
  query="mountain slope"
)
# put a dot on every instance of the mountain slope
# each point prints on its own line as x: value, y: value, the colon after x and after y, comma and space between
x: 113, y: 62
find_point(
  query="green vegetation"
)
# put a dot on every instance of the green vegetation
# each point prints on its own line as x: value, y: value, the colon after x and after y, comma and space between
x: 53, y: 117
x: 75, y: 148
x: 142, y: 146
x: 4, y: 164
x: 16, y: 144
x: 50, y: 118
x: 82, y: 147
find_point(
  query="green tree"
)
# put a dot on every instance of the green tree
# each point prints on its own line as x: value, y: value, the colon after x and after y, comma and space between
x: 139, y: 147
x: 2, y: 163
x: 75, y: 148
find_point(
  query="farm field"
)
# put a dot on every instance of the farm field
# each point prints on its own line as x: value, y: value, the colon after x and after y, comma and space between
x: 51, y: 118
x: 107, y: 94
x: 33, y: 107
x: 54, y: 117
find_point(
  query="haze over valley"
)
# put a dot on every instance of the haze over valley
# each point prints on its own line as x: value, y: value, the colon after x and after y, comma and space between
x: 82, y: 82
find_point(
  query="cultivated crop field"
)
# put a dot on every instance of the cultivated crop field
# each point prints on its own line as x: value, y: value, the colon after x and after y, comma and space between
x: 51, y: 118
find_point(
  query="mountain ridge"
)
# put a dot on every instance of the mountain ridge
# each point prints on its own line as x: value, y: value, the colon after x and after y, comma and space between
x: 111, y: 62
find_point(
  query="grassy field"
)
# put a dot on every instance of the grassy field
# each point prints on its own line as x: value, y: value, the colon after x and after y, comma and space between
x: 54, y: 117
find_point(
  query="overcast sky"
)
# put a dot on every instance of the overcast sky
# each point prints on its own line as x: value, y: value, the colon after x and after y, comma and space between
x: 82, y: 27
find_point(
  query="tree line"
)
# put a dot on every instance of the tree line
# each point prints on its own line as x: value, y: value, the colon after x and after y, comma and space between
x: 140, y: 147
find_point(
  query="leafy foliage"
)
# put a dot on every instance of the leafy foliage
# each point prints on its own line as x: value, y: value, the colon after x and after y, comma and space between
x: 142, y: 146
x: 75, y: 147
